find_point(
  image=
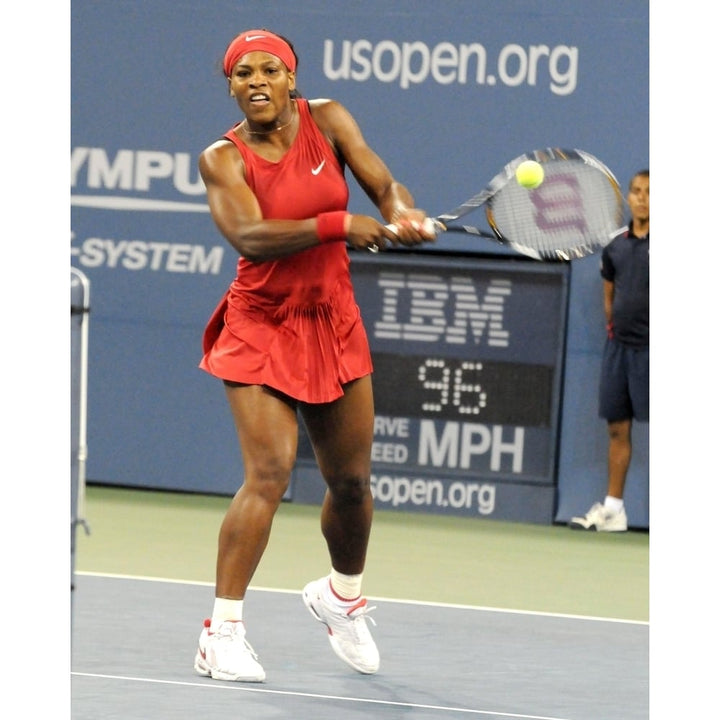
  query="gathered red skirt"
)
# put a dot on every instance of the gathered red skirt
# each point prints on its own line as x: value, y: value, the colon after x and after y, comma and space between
x: 305, y: 351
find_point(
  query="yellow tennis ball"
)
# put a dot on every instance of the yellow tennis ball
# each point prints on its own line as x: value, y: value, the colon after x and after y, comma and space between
x: 529, y: 174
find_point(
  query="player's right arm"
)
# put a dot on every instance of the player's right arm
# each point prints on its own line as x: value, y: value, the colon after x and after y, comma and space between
x: 237, y: 214
x: 608, y: 295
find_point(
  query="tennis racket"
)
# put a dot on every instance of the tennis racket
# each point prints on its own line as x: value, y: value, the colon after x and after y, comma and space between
x: 574, y: 212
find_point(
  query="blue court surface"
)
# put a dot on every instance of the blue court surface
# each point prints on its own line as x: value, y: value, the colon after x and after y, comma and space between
x: 134, y: 640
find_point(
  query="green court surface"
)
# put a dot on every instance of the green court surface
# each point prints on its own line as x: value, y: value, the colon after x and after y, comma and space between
x: 429, y: 558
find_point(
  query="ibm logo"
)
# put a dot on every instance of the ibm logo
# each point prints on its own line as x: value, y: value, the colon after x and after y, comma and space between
x: 430, y: 308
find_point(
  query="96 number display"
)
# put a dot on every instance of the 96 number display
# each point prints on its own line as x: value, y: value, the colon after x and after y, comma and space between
x: 459, y: 387
x: 448, y: 388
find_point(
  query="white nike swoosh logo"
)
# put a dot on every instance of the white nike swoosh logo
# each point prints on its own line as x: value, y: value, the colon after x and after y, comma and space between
x: 316, y: 170
x: 253, y: 37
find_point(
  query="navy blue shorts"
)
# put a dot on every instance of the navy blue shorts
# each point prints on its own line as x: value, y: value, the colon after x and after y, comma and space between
x: 625, y: 382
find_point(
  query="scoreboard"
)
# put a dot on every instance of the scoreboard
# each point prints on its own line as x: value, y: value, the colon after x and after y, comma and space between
x: 468, y: 363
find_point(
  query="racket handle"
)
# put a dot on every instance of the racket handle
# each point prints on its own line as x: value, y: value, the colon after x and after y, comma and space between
x: 429, y: 225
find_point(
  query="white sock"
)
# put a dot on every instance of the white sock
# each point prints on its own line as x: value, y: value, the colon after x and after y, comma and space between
x: 344, y: 588
x: 613, y: 504
x: 225, y: 609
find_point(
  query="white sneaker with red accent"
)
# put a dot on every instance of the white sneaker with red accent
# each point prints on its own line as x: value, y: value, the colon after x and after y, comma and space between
x: 227, y: 655
x: 347, y: 627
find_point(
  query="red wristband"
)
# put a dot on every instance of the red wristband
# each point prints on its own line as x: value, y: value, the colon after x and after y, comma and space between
x: 331, y: 226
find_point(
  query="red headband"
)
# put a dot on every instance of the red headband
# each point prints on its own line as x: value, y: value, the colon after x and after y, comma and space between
x: 252, y: 40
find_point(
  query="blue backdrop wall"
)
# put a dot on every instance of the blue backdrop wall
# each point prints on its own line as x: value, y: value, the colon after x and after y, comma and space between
x: 148, y: 95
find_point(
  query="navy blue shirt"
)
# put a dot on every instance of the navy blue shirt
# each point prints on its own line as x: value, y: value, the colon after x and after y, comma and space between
x: 625, y: 263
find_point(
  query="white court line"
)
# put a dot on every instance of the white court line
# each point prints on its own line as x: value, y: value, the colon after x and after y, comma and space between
x: 318, y: 696
x: 452, y: 606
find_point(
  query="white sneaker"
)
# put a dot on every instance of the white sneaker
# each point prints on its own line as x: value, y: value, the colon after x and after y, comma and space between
x: 601, y: 519
x: 227, y: 655
x: 347, y: 630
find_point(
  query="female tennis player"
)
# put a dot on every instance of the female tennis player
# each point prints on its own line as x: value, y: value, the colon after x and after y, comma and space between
x: 287, y: 337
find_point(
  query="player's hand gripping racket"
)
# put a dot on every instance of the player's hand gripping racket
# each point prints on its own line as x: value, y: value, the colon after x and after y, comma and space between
x: 575, y: 211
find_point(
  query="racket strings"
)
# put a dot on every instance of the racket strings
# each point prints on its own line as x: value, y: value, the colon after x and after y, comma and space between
x: 574, y: 212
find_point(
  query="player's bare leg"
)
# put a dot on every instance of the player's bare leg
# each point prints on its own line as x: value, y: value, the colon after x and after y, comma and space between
x: 342, y: 434
x: 266, y: 424
x: 619, y: 453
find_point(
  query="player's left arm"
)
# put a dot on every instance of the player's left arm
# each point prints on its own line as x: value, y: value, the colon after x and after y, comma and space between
x: 392, y: 198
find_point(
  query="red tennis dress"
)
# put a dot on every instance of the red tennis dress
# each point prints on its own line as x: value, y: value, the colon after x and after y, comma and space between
x: 293, y: 323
